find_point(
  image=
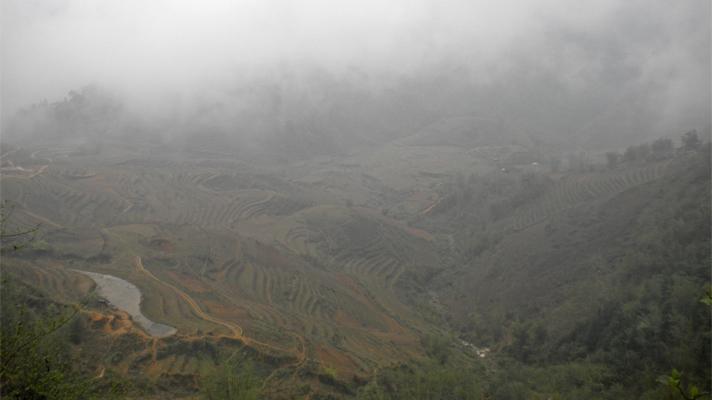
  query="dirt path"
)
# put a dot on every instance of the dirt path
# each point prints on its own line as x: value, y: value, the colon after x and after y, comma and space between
x: 43, y: 219
x: 236, y: 329
x: 237, y: 332
x: 9, y: 152
x: 30, y: 176
x: 297, y: 365
x: 427, y: 210
x: 39, y: 171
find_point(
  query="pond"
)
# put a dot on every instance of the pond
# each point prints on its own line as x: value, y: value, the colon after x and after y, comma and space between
x: 126, y: 296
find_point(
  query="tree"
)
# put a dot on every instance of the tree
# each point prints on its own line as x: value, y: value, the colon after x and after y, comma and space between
x: 521, y: 346
x: 630, y: 154
x: 675, y: 384
x: 691, y: 140
x: 32, y: 366
x: 77, y: 328
x: 612, y: 159
x: 674, y: 381
x: 232, y: 381
x: 437, y: 347
x: 577, y: 162
x: 428, y: 381
x: 662, y: 149
x: 637, y: 153
x: 644, y: 152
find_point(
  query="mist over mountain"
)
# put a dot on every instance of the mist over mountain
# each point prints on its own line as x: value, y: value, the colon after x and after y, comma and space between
x: 371, y: 200
x: 595, y: 76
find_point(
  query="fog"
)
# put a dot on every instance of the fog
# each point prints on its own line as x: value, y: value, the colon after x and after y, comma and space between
x: 598, y: 73
x: 355, y: 199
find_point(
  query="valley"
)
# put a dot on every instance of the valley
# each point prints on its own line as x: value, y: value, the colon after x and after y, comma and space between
x: 355, y: 200
x: 322, y: 265
x: 294, y: 262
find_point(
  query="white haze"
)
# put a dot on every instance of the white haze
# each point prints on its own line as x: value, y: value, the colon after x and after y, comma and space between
x: 654, y: 52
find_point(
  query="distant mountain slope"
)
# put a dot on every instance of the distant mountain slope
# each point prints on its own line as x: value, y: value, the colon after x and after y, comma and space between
x: 614, y: 278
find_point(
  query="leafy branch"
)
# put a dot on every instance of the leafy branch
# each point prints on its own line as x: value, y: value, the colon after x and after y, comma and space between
x: 21, y: 340
x: 674, y: 382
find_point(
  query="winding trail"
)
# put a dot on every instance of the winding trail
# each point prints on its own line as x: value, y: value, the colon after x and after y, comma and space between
x: 237, y: 332
x: 33, y: 174
x: 43, y: 219
x: 431, y: 206
x: 39, y: 171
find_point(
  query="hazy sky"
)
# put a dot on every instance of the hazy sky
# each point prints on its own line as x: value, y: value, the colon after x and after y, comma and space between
x: 52, y: 46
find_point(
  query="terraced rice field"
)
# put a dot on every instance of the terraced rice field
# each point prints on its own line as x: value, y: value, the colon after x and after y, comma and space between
x: 301, y: 274
x: 574, y: 190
